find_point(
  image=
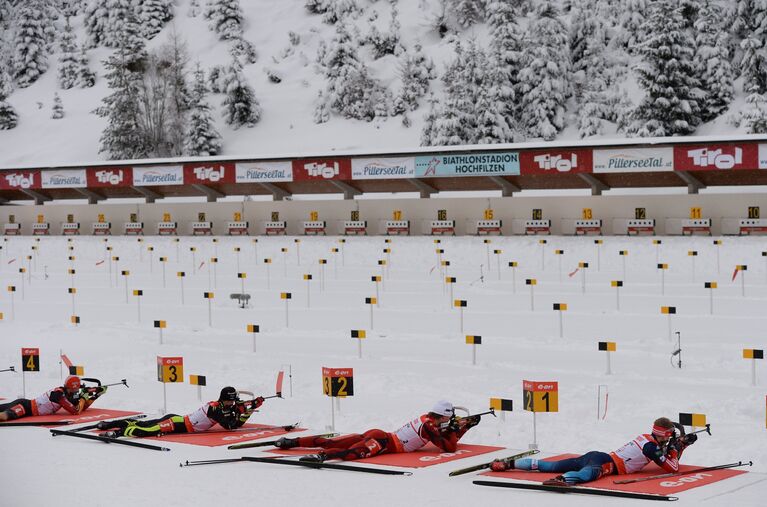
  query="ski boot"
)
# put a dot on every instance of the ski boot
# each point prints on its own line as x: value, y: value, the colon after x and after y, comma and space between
x: 501, y: 465
x: 314, y: 458
x: 286, y: 443
x: 559, y: 480
x: 110, y: 434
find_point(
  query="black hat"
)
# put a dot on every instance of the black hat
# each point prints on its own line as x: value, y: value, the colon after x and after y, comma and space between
x: 228, y: 393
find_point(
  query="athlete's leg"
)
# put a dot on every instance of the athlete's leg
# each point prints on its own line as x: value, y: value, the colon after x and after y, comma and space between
x: 15, y: 409
x: 170, y: 424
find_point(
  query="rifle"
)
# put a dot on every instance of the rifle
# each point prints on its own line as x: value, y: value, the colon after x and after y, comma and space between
x: 99, y: 386
x: 10, y: 368
x: 454, y: 421
x: 674, y: 439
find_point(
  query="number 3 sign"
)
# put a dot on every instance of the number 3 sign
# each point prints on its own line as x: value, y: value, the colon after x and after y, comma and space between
x: 170, y: 369
x: 338, y: 382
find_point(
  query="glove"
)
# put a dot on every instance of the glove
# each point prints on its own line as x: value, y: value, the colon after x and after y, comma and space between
x: 689, y: 439
x: 453, y: 424
x: 258, y: 402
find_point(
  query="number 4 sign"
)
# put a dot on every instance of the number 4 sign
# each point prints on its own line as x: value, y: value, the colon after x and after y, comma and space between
x: 540, y: 397
x: 30, y: 361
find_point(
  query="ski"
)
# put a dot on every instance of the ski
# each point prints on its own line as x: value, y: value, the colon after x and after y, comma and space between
x: 109, y: 440
x: 483, y: 466
x: 331, y: 466
x: 26, y: 424
x: 96, y: 424
x: 578, y: 490
x: 265, y: 443
x: 289, y: 427
x: 677, y: 474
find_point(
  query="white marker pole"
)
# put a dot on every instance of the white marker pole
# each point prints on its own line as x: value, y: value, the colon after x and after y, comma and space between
x: 287, y: 321
x: 753, y: 372
x: 583, y: 280
x: 138, y: 307
x: 534, y: 445
x: 609, y: 370
x: 359, y: 347
x: 662, y: 282
x: 371, y: 316
x: 532, y: 298
x: 461, y: 319
x: 617, y: 298
x: 711, y: 301
x: 561, y: 326
x: 210, y: 313
x: 743, y: 283
x: 378, y: 298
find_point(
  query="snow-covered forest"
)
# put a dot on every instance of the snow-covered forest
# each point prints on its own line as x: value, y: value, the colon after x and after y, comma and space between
x: 128, y: 79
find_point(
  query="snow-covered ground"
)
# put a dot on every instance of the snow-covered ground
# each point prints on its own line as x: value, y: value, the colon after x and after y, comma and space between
x: 414, y: 356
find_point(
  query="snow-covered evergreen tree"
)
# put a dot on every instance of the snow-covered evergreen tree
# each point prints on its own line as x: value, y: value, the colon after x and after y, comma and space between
x: 383, y: 44
x: 754, y: 115
x: 467, y: 12
x: 750, y: 18
x: 629, y: 34
x: 427, y: 131
x: 153, y: 15
x: 336, y: 10
x: 416, y: 71
x: 712, y: 60
x: 86, y: 78
x: 58, y: 107
x: 667, y: 76
x: 468, y: 101
x: 8, y: 117
x: 753, y: 66
x: 30, y: 60
x: 225, y: 18
x: 317, y: 6
x: 67, y: 71
x: 544, y: 84
x: 350, y: 91
x: 240, y: 105
x: 105, y: 21
x: 175, y: 56
x: 215, y: 79
x: 505, y: 53
x: 594, y: 102
x: 202, y: 139
x: 587, y: 30
x: 194, y: 9
x: 122, y: 138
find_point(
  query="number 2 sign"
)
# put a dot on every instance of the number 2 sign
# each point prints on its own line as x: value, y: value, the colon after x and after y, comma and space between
x: 170, y: 369
x: 338, y: 382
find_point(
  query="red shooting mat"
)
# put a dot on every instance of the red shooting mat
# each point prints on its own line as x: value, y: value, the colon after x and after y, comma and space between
x: 425, y: 457
x: 668, y: 486
x: 220, y: 436
x: 90, y: 415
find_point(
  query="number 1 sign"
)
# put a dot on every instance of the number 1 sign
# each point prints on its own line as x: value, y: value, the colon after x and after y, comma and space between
x: 540, y: 397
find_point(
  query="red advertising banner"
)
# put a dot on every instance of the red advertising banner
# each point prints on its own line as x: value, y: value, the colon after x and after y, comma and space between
x: 25, y: 179
x: 322, y: 169
x: 100, y: 177
x: 712, y: 157
x: 209, y: 172
x: 556, y: 161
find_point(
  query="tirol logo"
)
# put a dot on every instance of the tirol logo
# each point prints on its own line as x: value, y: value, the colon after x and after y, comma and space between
x: 109, y: 177
x: 558, y: 162
x: 322, y: 169
x: 19, y: 180
x: 705, y: 157
x: 213, y: 174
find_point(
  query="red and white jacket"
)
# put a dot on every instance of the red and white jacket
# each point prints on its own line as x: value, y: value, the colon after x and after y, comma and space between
x: 638, y: 453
